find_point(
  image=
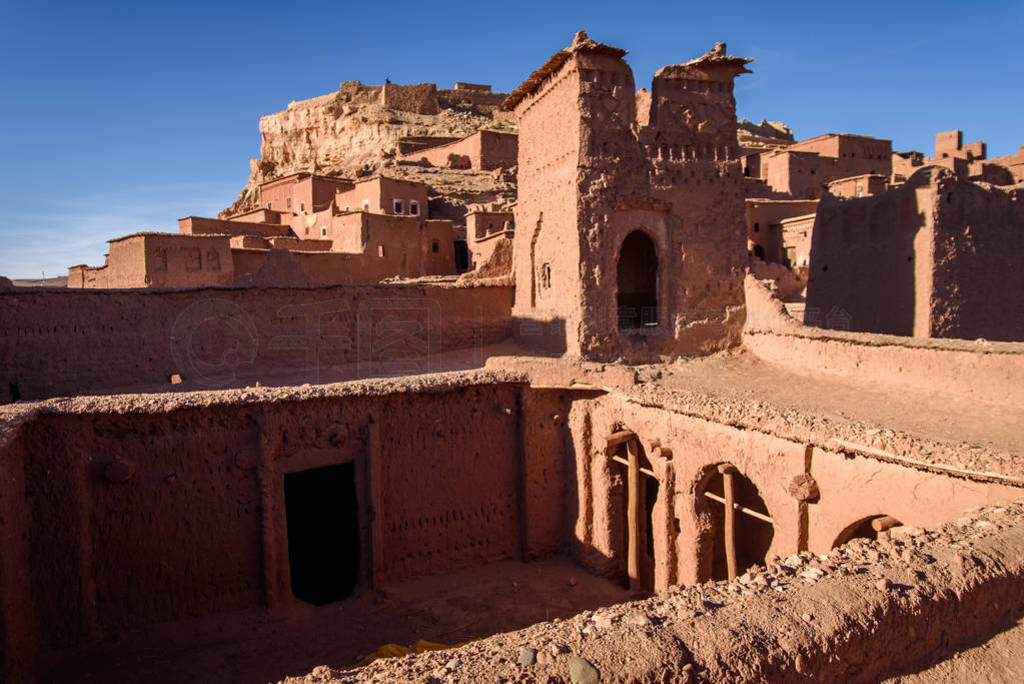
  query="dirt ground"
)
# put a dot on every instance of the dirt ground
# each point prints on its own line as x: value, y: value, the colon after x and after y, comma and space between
x: 1000, y: 659
x: 261, y: 647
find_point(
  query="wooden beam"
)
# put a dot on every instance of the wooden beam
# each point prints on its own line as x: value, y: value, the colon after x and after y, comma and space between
x: 645, y: 471
x: 727, y: 472
x: 741, y: 509
x: 617, y: 438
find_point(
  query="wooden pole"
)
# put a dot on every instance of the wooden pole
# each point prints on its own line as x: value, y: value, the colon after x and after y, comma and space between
x: 633, y: 513
x: 727, y: 472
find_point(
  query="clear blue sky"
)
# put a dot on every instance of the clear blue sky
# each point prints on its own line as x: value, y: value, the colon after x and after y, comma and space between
x: 120, y: 117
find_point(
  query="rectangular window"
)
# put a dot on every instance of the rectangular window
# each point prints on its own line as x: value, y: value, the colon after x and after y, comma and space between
x: 366, y: 205
x: 414, y: 208
x: 302, y: 207
x: 398, y: 206
x: 380, y: 250
x: 288, y: 203
x: 323, y: 231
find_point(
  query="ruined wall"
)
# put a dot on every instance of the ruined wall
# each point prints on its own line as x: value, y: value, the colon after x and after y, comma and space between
x: 977, y: 283
x: 195, y: 225
x: 418, y: 99
x: 168, y: 513
x: 931, y: 258
x: 56, y: 342
x: 484, y: 150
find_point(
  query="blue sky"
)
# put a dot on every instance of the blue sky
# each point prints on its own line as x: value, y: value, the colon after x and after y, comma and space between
x: 120, y: 117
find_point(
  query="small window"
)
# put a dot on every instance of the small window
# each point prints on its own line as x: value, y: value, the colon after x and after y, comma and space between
x: 288, y: 203
x: 302, y: 207
x: 380, y: 250
x: 366, y: 205
x: 398, y: 206
x: 268, y: 205
x: 757, y: 227
x: 414, y: 208
x: 435, y: 246
x: 323, y: 231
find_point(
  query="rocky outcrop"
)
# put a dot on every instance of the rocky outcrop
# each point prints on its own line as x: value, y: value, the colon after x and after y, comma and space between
x: 356, y: 131
x: 766, y: 135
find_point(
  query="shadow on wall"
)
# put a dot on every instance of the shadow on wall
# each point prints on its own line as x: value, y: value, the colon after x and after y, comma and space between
x: 862, y: 263
x: 545, y: 337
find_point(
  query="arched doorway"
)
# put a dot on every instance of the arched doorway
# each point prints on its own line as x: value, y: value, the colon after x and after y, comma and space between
x: 637, y: 274
x: 634, y: 508
x: 872, y: 527
x: 738, y: 530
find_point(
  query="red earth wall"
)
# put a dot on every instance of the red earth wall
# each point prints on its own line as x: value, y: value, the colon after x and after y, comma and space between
x: 56, y: 342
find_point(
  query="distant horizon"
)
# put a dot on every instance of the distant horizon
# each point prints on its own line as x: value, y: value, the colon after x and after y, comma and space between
x: 124, y: 119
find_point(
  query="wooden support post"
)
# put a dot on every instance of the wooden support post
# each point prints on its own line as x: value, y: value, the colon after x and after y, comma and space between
x: 727, y: 472
x: 633, y: 513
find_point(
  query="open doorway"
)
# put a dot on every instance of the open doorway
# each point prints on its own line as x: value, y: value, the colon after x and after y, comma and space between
x: 735, y: 540
x: 636, y: 501
x: 637, y: 297
x: 323, y: 533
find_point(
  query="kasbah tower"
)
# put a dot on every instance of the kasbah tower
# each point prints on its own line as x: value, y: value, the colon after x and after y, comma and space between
x: 636, y: 187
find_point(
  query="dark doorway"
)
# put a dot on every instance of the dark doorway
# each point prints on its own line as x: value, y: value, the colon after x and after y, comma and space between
x: 461, y: 256
x: 15, y: 392
x: 637, y: 282
x: 323, y: 533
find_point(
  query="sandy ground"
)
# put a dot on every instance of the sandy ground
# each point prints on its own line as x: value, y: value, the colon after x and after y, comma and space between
x: 260, y: 647
x: 1000, y: 659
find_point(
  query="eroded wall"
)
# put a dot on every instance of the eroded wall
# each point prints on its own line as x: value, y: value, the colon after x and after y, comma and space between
x: 56, y: 342
x: 120, y: 518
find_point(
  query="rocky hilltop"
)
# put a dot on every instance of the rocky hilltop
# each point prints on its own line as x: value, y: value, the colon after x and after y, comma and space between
x: 362, y: 129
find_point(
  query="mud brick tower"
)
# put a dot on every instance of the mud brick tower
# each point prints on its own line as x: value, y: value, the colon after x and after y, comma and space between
x: 630, y: 236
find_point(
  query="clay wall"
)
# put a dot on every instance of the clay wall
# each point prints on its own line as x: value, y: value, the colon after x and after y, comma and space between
x: 484, y: 150
x: 987, y: 172
x: 546, y: 242
x: 904, y: 164
x: 379, y: 194
x: 977, y: 282
x: 159, y: 515
x: 195, y: 225
x: 302, y: 192
x: 796, y: 239
x: 933, y: 258
x: 948, y: 142
x: 483, y: 231
x: 258, y: 216
x: 795, y: 172
x: 859, y: 186
x: 187, y: 260
x: 61, y: 342
x: 871, y: 260
x: 125, y: 267
x: 764, y: 227
x: 1014, y: 163
x: 160, y: 260
x: 987, y: 373
x: 418, y: 99
x: 683, y: 450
